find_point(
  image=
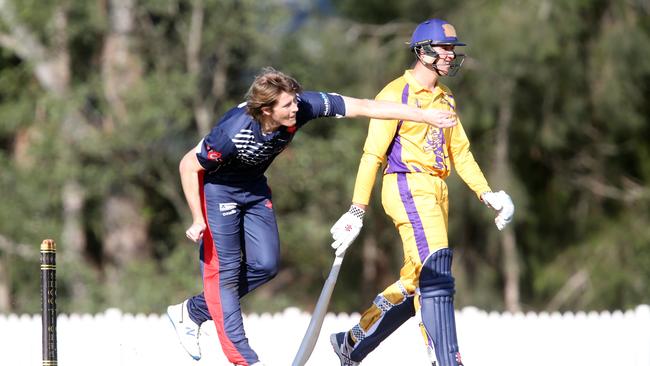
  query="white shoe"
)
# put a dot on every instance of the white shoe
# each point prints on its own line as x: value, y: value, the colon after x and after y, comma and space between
x: 186, y: 329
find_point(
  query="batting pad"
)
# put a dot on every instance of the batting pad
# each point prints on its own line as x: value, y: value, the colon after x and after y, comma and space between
x: 437, y: 300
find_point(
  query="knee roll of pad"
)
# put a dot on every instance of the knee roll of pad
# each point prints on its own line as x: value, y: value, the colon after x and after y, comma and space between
x: 435, y: 276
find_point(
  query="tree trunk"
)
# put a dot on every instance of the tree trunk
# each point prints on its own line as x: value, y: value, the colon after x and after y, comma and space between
x: 126, y: 236
x: 502, y: 173
x: 511, y: 271
x: 121, y: 69
x: 211, y: 80
x: 369, y: 253
x: 5, y: 300
x: 202, y: 111
x: 73, y: 235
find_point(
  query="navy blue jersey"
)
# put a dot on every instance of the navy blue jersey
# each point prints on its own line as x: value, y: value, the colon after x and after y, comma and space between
x: 236, y: 150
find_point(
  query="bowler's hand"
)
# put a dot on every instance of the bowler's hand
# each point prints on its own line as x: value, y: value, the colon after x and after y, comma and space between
x: 195, y: 232
x: 440, y: 118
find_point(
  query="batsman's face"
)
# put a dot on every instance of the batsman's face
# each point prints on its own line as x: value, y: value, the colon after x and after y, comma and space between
x: 285, y: 109
x: 440, y: 56
x: 446, y: 56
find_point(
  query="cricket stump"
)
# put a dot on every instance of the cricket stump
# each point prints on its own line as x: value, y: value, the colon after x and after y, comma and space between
x: 48, y: 301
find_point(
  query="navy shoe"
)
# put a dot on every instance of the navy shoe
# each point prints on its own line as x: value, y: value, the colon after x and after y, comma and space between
x: 342, y: 348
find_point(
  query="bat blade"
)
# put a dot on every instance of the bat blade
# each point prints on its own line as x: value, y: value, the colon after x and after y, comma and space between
x: 316, y: 322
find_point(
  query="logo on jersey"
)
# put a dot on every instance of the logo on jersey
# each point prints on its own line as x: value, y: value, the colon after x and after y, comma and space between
x: 214, y: 155
x: 268, y: 204
x: 326, y: 103
x: 435, y: 142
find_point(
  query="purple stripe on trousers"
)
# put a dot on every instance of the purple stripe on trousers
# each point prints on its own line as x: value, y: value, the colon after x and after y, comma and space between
x: 414, y: 217
x: 394, y: 153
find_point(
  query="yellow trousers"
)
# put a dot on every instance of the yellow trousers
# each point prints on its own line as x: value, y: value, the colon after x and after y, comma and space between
x: 418, y: 204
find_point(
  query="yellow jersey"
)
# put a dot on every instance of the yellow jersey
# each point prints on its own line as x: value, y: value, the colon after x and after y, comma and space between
x: 411, y: 147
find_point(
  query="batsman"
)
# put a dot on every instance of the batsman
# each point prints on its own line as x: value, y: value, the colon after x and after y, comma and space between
x: 417, y: 159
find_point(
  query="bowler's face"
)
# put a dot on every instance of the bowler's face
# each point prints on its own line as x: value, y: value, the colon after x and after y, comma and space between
x: 285, y: 109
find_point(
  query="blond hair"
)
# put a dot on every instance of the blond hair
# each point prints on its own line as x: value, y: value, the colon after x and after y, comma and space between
x: 266, y: 88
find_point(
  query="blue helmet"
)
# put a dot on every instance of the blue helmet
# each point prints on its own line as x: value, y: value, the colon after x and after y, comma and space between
x: 434, y: 32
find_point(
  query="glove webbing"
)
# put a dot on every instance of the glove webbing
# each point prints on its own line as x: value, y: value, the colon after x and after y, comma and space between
x: 356, y: 212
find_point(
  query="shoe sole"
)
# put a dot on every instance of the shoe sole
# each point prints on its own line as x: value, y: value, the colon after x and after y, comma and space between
x: 179, y: 340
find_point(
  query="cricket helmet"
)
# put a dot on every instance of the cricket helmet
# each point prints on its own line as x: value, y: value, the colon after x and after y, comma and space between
x: 434, y: 32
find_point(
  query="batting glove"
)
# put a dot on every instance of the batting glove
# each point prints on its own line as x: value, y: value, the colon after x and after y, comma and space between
x: 502, y: 204
x: 346, y: 229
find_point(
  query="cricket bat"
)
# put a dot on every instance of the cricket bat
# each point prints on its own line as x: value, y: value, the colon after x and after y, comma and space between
x: 316, y: 322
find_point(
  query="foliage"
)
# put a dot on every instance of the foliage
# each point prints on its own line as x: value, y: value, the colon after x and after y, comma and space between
x: 575, y: 76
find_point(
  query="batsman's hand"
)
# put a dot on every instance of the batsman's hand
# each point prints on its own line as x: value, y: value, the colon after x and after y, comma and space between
x: 502, y: 204
x: 195, y: 232
x: 346, y: 229
x: 440, y: 118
